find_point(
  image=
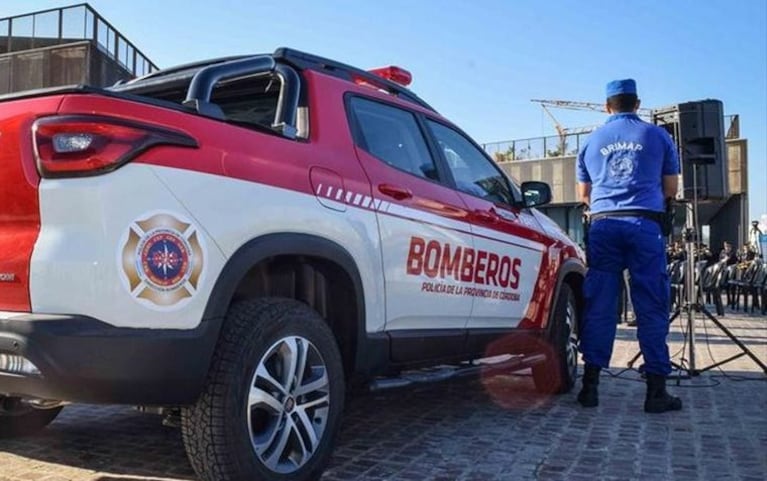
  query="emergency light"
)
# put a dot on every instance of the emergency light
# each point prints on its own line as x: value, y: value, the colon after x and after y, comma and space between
x: 395, y: 74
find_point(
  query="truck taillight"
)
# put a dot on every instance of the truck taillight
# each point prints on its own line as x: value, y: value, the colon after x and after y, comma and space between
x: 84, y: 145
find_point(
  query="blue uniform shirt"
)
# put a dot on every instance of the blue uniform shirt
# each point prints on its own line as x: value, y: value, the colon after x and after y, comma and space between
x: 625, y: 160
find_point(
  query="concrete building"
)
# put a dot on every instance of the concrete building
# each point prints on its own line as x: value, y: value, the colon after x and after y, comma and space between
x: 64, y: 46
x: 552, y: 160
x: 76, y: 45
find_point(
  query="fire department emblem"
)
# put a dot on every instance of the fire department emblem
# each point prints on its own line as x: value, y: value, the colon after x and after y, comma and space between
x: 162, y: 259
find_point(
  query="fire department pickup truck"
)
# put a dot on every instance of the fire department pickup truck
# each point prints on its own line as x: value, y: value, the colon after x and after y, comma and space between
x: 240, y: 241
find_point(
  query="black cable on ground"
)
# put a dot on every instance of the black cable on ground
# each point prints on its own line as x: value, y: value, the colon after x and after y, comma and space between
x: 621, y: 376
x: 719, y: 368
x: 686, y: 331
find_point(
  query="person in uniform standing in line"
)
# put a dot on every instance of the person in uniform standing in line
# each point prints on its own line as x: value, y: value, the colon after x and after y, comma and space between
x: 626, y: 171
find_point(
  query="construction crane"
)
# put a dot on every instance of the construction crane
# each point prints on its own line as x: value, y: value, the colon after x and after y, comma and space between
x: 563, y: 132
x: 593, y: 106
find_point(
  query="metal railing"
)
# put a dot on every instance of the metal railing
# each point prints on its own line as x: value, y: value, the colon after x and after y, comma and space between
x: 732, y: 126
x: 70, y: 24
x: 536, y: 148
x: 555, y: 146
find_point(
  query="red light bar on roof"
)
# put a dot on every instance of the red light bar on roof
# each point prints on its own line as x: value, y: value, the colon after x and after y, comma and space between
x: 395, y: 74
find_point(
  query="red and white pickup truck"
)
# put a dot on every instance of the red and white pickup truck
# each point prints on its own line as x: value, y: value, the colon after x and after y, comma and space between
x: 240, y: 241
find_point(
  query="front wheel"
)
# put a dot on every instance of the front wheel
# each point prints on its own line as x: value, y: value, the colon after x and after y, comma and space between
x: 274, y: 396
x: 558, y: 373
x: 20, y: 419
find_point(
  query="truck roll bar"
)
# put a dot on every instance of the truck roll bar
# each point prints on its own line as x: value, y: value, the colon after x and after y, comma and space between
x: 202, y: 84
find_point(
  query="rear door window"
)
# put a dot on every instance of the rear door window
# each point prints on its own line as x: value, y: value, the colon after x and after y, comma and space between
x: 393, y: 136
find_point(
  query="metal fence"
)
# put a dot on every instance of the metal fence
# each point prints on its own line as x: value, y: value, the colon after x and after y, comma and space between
x: 536, y: 148
x: 48, y: 28
x: 732, y: 126
x: 568, y: 145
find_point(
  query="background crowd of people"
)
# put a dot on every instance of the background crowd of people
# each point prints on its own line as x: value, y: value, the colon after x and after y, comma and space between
x: 676, y: 251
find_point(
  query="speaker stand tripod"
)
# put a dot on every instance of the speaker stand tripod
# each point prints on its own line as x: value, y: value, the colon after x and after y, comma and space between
x: 692, y: 305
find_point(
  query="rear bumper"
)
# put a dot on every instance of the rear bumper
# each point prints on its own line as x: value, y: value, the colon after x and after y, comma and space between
x: 82, y: 359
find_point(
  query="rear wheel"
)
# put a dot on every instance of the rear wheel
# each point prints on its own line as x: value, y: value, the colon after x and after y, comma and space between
x: 558, y: 373
x: 274, y: 396
x: 20, y: 419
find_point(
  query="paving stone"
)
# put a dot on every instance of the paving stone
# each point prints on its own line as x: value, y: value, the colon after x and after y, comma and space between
x: 486, y: 429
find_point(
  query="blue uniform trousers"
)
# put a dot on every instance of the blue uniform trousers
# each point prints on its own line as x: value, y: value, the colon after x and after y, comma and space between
x: 615, y: 244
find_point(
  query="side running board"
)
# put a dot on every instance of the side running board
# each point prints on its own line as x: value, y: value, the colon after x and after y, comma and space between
x: 443, y: 373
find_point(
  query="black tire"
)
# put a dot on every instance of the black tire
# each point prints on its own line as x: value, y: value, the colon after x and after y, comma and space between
x: 219, y: 431
x: 558, y: 373
x: 18, y: 419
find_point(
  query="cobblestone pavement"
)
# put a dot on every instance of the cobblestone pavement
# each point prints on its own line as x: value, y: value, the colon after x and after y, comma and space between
x: 494, y: 428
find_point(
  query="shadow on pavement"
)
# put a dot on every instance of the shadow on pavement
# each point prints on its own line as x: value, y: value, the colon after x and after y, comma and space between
x: 121, y: 444
x: 112, y: 439
x: 473, y: 428
x: 128, y: 478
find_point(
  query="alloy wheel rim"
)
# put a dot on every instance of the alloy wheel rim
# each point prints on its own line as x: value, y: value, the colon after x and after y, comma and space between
x: 288, y: 404
x: 572, y: 341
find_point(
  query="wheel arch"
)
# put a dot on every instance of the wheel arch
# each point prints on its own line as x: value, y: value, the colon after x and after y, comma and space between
x: 242, y: 276
x: 572, y: 272
x: 557, y: 375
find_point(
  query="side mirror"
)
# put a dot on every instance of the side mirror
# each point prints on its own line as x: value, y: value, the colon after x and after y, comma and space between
x: 535, y: 193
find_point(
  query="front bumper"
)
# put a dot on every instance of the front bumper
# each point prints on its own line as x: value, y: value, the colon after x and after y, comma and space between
x: 82, y: 359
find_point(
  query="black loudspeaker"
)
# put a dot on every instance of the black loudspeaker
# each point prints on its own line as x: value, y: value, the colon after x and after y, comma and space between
x: 700, y: 151
x: 698, y: 130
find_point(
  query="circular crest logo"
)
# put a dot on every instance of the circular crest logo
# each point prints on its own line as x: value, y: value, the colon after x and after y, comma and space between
x: 621, y: 168
x: 162, y: 259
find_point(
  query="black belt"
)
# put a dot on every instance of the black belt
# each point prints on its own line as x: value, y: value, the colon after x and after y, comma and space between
x: 645, y: 214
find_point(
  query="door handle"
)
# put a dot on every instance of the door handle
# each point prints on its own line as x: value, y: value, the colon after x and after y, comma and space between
x: 396, y: 192
x: 486, y: 216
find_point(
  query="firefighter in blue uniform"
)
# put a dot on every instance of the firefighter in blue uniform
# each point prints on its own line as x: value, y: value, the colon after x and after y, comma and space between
x: 626, y: 172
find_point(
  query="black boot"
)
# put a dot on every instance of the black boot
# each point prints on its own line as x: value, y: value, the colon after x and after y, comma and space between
x: 589, y: 397
x: 658, y: 400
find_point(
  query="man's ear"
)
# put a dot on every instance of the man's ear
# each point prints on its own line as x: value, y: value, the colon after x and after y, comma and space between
x: 639, y: 102
x: 607, y: 108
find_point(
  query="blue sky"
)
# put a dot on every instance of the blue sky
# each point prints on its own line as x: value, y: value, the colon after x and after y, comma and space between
x: 480, y: 62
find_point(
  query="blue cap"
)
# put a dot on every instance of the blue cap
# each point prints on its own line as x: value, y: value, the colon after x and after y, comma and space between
x: 625, y: 86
